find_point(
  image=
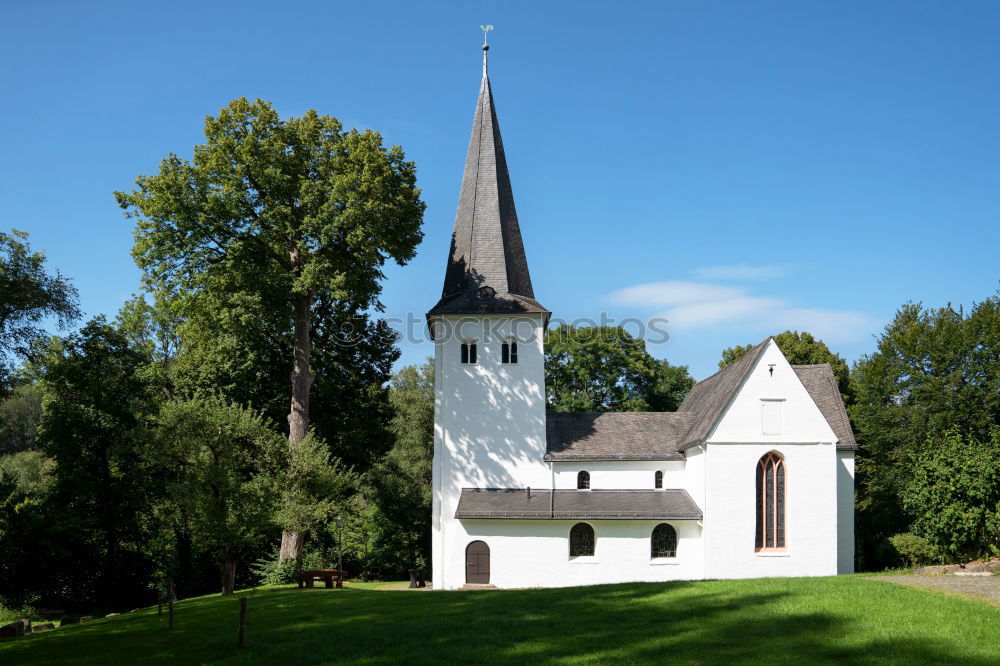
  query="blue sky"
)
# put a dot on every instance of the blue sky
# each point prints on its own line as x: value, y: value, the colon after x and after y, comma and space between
x: 738, y: 167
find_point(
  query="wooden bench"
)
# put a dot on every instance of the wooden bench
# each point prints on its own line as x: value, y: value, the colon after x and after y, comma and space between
x: 328, y: 576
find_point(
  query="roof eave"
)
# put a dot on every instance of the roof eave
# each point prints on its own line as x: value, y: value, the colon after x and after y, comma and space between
x: 666, y: 457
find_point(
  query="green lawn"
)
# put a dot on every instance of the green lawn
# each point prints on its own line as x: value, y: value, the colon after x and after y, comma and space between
x: 850, y: 619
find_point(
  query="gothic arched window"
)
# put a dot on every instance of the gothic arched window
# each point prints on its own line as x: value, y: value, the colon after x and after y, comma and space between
x: 770, y: 503
x: 664, y: 541
x: 658, y: 479
x: 581, y: 540
x: 583, y: 480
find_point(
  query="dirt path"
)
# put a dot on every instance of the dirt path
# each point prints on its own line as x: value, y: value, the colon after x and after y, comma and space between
x: 983, y: 587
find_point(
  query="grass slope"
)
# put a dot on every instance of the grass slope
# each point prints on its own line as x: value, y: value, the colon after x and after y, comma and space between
x: 812, y: 620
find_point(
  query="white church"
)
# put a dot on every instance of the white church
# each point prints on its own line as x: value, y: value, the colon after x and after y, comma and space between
x: 752, y: 476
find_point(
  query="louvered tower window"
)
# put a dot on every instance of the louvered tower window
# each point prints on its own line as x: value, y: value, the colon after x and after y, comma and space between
x: 508, y: 352
x: 583, y: 480
x: 469, y: 352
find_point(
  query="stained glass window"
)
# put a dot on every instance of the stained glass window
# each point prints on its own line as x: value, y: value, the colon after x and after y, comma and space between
x: 664, y: 541
x: 770, y: 490
x: 581, y: 540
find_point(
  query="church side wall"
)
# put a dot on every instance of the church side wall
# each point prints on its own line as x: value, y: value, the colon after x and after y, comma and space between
x: 535, y: 553
x: 624, y: 475
x: 845, y: 512
x: 437, y: 535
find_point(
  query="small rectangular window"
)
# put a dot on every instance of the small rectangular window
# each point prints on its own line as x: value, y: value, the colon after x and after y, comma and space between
x: 472, y: 352
x: 465, y: 353
x: 771, y: 417
x: 513, y: 352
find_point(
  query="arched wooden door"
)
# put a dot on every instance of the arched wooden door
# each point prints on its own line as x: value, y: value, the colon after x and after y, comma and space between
x: 477, y: 563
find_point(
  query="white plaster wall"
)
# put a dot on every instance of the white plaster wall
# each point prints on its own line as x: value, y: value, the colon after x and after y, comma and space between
x: 535, y: 553
x: 695, y: 475
x: 810, y: 518
x: 489, y: 422
x: 807, y: 443
x: 845, y: 512
x: 801, y: 419
x: 624, y: 475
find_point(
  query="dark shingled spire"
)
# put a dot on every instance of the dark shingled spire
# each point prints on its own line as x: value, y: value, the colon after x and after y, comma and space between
x: 487, y: 270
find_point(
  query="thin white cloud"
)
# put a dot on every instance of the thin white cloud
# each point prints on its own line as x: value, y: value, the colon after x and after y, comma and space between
x: 694, y: 315
x: 741, y: 272
x: 697, y: 305
x: 673, y: 292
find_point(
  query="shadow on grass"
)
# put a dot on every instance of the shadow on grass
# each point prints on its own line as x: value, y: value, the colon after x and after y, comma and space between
x: 690, y: 623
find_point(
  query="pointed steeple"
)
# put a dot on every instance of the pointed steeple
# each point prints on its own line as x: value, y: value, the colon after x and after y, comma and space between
x: 487, y: 269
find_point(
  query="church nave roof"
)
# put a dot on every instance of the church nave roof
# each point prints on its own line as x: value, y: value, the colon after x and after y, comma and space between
x: 520, y: 504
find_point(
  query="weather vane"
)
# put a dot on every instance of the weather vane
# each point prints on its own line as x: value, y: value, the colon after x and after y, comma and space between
x: 486, y: 29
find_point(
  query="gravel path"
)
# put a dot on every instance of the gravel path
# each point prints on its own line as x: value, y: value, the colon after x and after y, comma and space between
x: 984, y: 587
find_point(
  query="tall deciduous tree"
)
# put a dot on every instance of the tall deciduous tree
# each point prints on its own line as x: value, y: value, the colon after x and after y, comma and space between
x: 935, y: 369
x: 151, y: 327
x: 284, y: 215
x: 242, y: 352
x: 28, y: 294
x: 604, y: 368
x: 800, y: 349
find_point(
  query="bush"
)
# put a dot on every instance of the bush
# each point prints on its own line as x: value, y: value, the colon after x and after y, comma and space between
x: 271, y: 571
x: 954, y: 494
x: 913, y: 549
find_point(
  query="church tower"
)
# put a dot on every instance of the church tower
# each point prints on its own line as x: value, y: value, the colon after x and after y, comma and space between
x: 488, y: 329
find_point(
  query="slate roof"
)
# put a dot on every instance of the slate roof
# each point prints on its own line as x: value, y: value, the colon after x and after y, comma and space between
x: 595, y: 436
x: 821, y: 384
x: 486, y: 245
x: 615, y: 435
x: 708, y: 399
x: 504, y: 503
x: 485, y: 301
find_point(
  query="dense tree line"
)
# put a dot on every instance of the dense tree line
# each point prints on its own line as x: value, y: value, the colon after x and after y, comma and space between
x: 146, y: 449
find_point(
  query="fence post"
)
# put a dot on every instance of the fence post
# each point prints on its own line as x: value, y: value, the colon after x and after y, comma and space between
x: 243, y: 622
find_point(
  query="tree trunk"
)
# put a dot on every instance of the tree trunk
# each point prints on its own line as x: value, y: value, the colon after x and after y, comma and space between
x: 291, y: 546
x: 298, y: 417
x: 229, y: 576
